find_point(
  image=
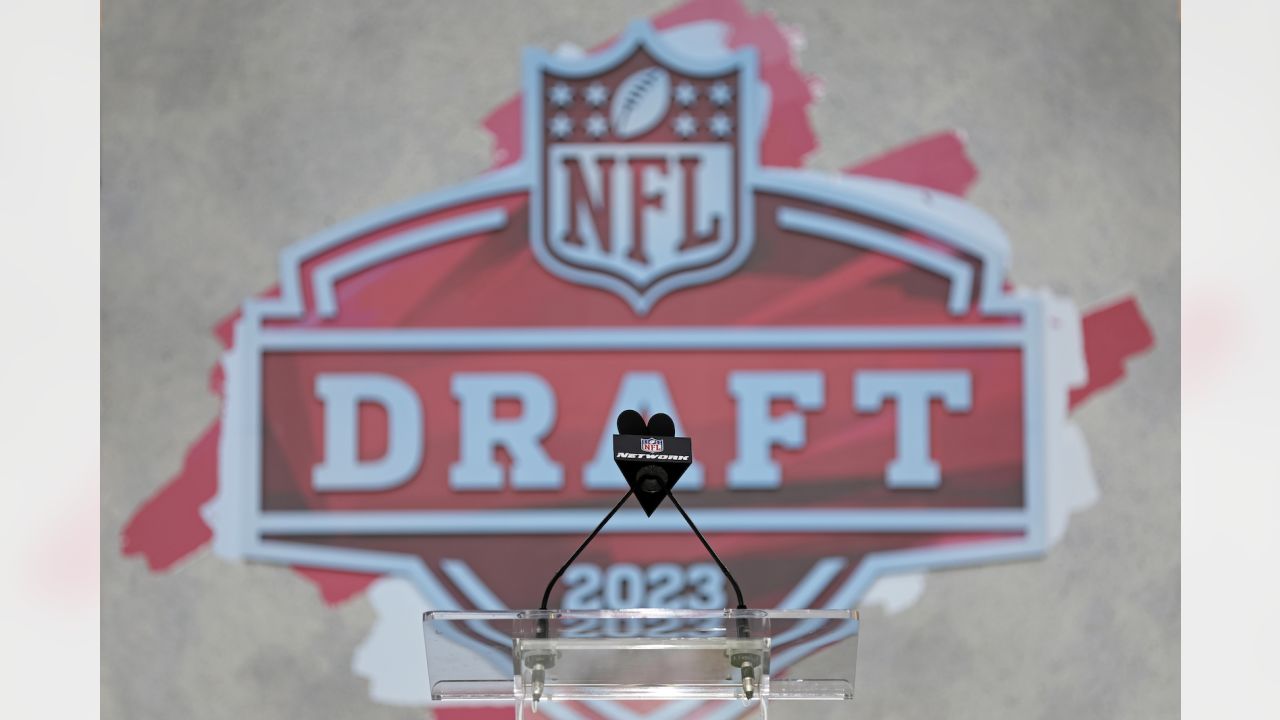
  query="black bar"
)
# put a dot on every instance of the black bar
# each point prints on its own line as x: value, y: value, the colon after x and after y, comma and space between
x: 737, y: 590
x: 546, y: 594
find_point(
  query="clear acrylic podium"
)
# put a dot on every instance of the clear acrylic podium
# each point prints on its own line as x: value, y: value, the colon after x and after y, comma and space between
x: 539, y: 656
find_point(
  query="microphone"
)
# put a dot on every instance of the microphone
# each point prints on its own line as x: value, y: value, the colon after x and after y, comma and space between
x: 662, y: 425
x: 650, y: 456
x: 652, y: 459
x: 631, y: 423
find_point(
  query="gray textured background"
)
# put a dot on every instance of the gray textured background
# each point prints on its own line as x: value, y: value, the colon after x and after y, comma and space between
x: 233, y: 128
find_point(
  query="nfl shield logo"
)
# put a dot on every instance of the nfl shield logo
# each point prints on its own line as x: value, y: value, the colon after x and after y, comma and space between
x: 651, y: 445
x: 641, y: 159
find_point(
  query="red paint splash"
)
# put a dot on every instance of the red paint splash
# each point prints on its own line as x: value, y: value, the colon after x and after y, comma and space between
x: 1112, y: 335
x: 336, y: 586
x: 168, y: 526
x: 938, y: 162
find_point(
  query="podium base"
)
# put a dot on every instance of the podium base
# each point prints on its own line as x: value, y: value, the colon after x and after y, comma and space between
x: 539, y: 656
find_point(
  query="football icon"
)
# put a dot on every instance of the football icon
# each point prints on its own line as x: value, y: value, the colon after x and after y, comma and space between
x: 640, y: 102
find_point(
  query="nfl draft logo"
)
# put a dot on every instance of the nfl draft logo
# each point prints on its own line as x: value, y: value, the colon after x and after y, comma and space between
x: 640, y: 175
x: 424, y: 411
x: 651, y: 445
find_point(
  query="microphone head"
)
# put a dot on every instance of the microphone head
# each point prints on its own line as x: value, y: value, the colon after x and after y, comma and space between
x: 650, y: 456
x: 630, y: 422
x: 662, y: 425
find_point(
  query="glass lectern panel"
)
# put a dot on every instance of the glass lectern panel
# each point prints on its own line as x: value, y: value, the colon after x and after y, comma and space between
x: 537, y: 656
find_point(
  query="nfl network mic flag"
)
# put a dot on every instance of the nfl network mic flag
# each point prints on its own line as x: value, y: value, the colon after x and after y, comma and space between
x: 425, y: 403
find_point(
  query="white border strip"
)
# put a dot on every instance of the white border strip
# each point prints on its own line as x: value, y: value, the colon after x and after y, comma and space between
x: 326, y: 277
x: 825, y: 225
x: 646, y: 338
x: 578, y: 521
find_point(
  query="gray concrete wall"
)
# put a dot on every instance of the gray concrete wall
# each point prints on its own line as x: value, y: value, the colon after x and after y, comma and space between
x: 233, y: 128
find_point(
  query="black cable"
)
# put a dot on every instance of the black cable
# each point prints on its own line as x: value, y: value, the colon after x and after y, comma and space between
x: 546, y: 595
x: 737, y: 590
